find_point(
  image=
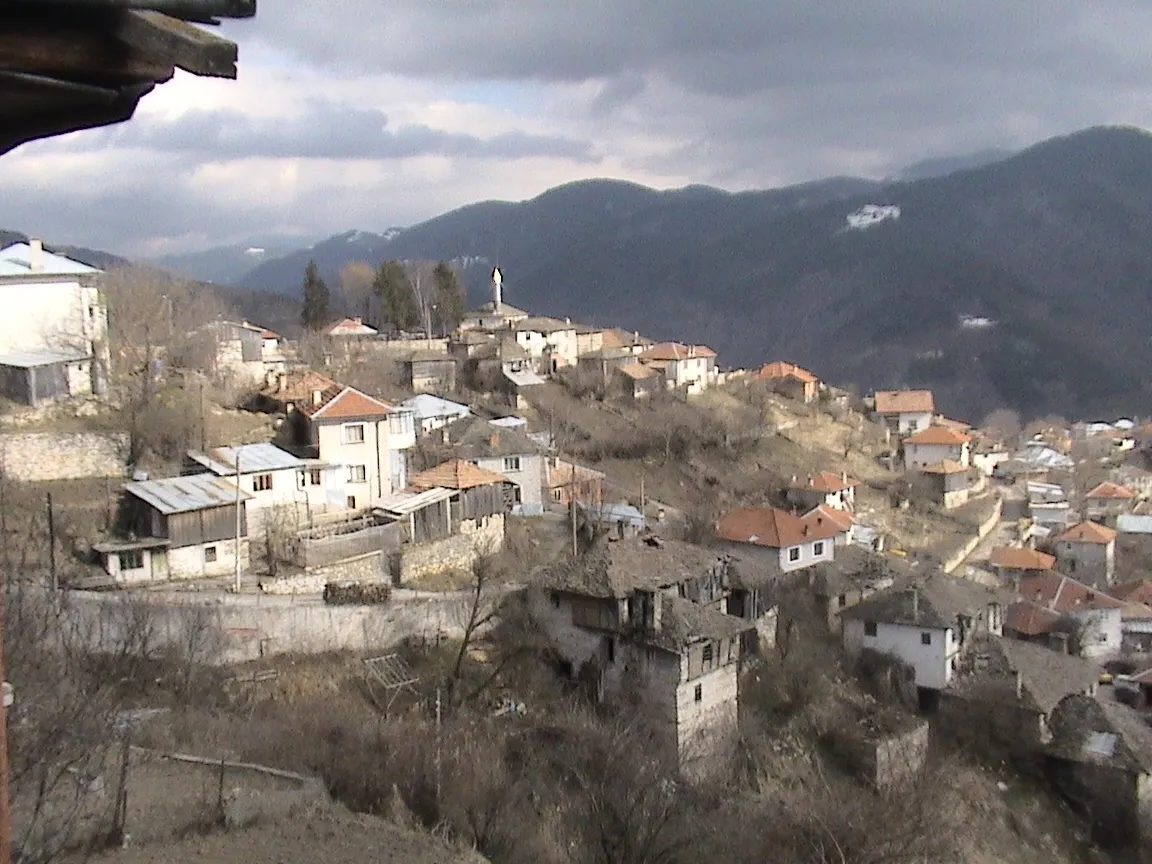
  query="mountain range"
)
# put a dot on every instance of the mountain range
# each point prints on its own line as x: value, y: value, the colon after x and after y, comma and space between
x: 1017, y: 280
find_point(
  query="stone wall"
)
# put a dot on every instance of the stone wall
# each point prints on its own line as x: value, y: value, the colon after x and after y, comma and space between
x: 881, y: 759
x: 39, y: 456
x: 994, y: 725
x: 969, y: 546
x: 372, y: 567
x: 458, y: 552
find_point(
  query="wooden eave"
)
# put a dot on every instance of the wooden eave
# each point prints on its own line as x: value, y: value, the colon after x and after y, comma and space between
x: 78, y: 64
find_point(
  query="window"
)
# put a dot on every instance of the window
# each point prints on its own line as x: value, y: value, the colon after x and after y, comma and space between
x: 400, y: 424
x: 699, y: 692
x: 611, y: 650
x: 351, y: 502
x: 262, y: 483
x: 794, y: 553
x: 818, y: 547
x: 925, y: 638
x: 315, y: 477
x: 209, y: 554
x: 1072, y: 565
x: 357, y: 474
x: 354, y: 433
x: 555, y: 599
x: 511, y: 463
x: 869, y: 628
x: 132, y: 560
x: 707, y: 658
x: 841, y: 600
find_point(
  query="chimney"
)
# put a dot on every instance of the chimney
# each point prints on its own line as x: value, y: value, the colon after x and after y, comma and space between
x: 35, y: 255
x: 691, y: 350
x: 844, y: 477
x: 494, y: 439
x: 1058, y: 642
x: 567, y: 321
x: 317, y: 395
x: 635, y: 335
x: 915, y: 604
x: 357, y: 321
x: 1019, y: 685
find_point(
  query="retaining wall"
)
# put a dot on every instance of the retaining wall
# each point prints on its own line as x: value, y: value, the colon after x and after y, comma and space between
x: 458, y: 552
x: 39, y: 456
x: 969, y: 546
x: 372, y: 567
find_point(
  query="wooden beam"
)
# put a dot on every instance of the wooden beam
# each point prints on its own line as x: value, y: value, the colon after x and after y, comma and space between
x: 178, y: 43
x: 77, y: 54
x: 186, y: 10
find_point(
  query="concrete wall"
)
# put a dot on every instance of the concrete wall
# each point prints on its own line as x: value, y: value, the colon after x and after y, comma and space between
x: 52, y: 313
x: 189, y: 562
x: 372, y: 567
x: 458, y: 552
x: 39, y: 456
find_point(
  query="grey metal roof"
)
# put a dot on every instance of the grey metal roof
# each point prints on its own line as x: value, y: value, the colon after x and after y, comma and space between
x: 403, y: 503
x: 524, y: 378
x: 16, y: 260
x: 425, y: 405
x: 36, y: 359
x: 185, y: 494
x: 1128, y: 523
x: 254, y: 459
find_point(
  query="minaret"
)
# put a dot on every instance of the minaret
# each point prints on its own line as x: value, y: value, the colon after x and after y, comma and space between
x: 497, y: 281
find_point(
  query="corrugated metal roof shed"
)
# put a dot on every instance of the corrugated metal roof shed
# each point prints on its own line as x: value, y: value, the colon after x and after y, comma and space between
x: 16, y: 260
x: 403, y: 503
x: 254, y: 459
x: 185, y: 494
x: 34, y: 359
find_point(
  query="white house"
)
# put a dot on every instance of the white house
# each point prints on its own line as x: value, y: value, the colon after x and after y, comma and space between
x: 826, y: 487
x: 777, y: 538
x: 433, y: 412
x: 1049, y: 599
x: 905, y: 411
x: 549, y: 339
x: 927, y: 625
x: 689, y: 366
x: 179, y: 528
x: 935, y: 444
x: 54, y: 308
x: 367, y: 439
x: 283, y: 486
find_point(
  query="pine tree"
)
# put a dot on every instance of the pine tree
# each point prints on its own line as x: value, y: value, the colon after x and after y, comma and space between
x: 317, y: 311
x: 397, y: 302
x: 449, y: 297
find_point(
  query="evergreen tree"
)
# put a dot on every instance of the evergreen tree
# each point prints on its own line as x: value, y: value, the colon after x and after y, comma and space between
x: 317, y: 311
x: 449, y: 297
x: 397, y: 301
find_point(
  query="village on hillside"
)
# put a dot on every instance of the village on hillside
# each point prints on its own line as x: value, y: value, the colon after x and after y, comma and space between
x: 666, y: 537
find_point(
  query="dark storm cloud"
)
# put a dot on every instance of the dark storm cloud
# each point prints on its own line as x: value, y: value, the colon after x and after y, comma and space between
x: 329, y: 131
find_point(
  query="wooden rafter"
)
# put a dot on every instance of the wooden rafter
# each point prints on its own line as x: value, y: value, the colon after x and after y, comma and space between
x: 186, y: 46
x: 75, y: 53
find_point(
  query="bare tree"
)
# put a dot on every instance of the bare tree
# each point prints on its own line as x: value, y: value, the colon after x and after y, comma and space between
x: 356, y: 288
x: 1005, y: 423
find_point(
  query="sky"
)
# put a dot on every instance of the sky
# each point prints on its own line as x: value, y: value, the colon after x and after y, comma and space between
x: 362, y: 114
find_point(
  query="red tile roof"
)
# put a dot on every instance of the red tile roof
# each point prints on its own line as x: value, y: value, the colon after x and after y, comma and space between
x: 822, y: 514
x: 1088, y: 532
x: 1110, y: 491
x: 1017, y: 558
x: 347, y: 404
x: 1139, y: 591
x: 780, y: 369
x: 671, y: 351
x: 456, y: 474
x: 1062, y: 594
x: 299, y: 386
x: 1029, y: 619
x: 905, y: 402
x: 768, y: 526
x: 941, y: 435
x: 826, y: 481
x: 637, y: 372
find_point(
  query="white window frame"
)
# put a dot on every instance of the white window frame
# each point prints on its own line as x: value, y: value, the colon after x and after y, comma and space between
x: 357, y: 473
x: 135, y: 554
x: 793, y: 554
x: 818, y: 547
x: 258, y: 481
x: 348, y: 433
x: 512, y: 464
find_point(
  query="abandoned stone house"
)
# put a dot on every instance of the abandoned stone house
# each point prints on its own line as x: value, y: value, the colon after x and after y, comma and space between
x: 1005, y: 691
x: 1087, y: 551
x: 1100, y: 759
x: 853, y: 577
x: 646, y: 619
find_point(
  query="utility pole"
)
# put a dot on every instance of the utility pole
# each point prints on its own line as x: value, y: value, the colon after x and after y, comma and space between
x: 643, y: 505
x: 236, y: 549
x: 52, y: 549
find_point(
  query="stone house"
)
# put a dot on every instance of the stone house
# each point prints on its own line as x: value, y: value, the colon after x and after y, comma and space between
x: 285, y: 488
x: 936, y: 444
x: 946, y: 483
x: 854, y: 576
x: 1088, y: 552
x: 1100, y: 758
x: 638, y: 382
x: 1005, y: 691
x: 605, y: 362
x: 837, y: 491
x: 1013, y: 564
x: 365, y: 438
x: 629, y: 341
x: 904, y: 411
x: 640, y: 621
x: 790, y: 380
x: 1054, y: 608
x: 506, y: 451
x: 777, y: 539
x: 429, y: 371
x: 178, y: 528
x: 56, y: 313
x: 1106, y: 501
x: 928, y: 625
x: 688, y: 367
x: 589, y: 340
